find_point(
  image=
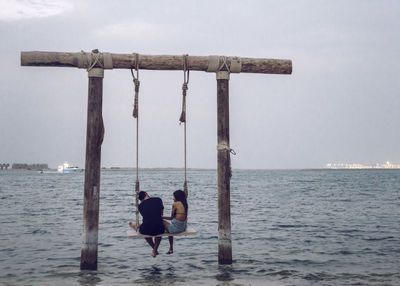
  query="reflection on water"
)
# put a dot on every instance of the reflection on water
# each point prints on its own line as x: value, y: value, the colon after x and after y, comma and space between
x: 157, y: 276
x: 88, y: 278
x: 225, y: 273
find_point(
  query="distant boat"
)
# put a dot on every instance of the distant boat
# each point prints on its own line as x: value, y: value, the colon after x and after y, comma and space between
x: 67, y: 168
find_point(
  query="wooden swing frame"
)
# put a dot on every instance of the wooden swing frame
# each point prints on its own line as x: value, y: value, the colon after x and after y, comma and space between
x: 95, y: 63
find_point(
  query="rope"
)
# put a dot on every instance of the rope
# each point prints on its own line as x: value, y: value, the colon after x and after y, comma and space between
x: 224, y: 64
x: 135, y: 114
x: 225, y: 147
x: 182, y: 118
x: 137, y: 85
x: 185, y: 87
x: 96, y: 56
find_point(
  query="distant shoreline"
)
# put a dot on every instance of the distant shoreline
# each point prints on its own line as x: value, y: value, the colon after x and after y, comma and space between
x: 203, y: 169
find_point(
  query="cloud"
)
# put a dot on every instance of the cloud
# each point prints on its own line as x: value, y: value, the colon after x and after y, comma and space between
x: 133, y: 28
x: 14, y: 10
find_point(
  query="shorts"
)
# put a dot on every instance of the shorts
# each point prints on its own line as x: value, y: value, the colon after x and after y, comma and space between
x: 177, y: 226
x: 152, y: 228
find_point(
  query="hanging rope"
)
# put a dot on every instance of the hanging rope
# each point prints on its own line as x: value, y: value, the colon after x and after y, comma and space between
x: 135, y: 114
x: 137, y: 85
x: 185, y: 87
x: 182, y: 118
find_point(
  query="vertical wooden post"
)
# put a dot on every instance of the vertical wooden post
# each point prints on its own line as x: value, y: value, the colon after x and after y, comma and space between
x: 224, y: 171
x: 94, y: 139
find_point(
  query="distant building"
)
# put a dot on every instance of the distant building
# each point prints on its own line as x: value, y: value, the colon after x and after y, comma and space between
x: 4, y: 166
x: 386, y: 165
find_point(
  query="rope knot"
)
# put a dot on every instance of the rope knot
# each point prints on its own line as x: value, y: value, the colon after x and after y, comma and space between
x: 95, y: 60
x: 182, y: 119
x: 184, y: 89
x: 137, y: 84
x: 135, y: 112
x: 225, y: 147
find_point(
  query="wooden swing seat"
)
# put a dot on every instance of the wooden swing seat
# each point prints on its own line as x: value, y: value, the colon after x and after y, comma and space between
x: 134, y: 234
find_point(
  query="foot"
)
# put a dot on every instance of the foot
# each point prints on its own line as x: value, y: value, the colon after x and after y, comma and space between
x: 132, y: 226
x: 170, y: 251
x: 154, y: 253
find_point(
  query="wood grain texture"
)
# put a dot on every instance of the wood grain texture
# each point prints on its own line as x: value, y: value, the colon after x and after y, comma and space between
x: 134, y: 234
x: 224, y: 175
x: 152, y: 62
x: 94, y: 139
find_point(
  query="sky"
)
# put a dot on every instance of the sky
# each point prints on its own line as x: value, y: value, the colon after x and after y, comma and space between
x: 340, y: 105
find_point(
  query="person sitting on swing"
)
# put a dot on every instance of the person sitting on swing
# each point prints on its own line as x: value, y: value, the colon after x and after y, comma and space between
x: 178, y: 218
x: 151, y: 210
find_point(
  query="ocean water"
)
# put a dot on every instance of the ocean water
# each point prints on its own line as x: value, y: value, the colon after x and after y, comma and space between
x: 295, y: 227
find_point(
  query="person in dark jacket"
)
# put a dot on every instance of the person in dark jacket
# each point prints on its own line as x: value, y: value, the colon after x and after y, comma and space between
x: 151, y: 210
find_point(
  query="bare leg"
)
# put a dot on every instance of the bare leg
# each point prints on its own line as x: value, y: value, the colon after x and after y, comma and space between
x: 171, y: 245
x: 166, y: 225
x: 150, y: 241
x: 133, y: 226
x: 157, y: 241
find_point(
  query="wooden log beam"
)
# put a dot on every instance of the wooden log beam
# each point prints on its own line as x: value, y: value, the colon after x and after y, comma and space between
x: 152, y: 62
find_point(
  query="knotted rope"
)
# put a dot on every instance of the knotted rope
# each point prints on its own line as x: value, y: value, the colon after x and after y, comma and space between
x: 94, y: 60
x: 225, y: 147
x: 137, y: 85
x: 185, y: 87
x: 182, y: 118
x: 135, y: 114
x: 224, y: 64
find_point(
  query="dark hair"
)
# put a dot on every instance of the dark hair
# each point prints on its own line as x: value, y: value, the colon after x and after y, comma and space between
x: 142, y: 195
x: 180, y: 196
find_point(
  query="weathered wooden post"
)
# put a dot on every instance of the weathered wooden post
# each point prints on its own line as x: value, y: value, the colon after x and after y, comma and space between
x: 223, y: 67
x: 224, y: 170
x: 95, y: 63
x: 94, y: 139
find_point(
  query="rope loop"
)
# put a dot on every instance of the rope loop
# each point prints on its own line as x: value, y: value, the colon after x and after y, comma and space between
x: 185, y: 87
x: 136, y: 82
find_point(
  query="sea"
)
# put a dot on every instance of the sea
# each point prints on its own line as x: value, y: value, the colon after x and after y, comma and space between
x: 289, y: 227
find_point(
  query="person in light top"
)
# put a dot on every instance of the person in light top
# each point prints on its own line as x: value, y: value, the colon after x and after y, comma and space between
x: 178, y: 217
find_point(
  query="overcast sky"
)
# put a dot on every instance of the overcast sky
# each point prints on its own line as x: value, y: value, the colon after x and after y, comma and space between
x: 341, y: 104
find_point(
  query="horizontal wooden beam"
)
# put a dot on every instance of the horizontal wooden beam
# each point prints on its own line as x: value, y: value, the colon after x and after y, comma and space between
x: 150, y: 62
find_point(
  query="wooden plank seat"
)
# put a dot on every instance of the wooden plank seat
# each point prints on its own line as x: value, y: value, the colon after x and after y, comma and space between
x: 133, y: 234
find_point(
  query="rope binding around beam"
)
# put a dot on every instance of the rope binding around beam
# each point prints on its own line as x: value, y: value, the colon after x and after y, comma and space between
x: 95, y: 62
x: 223, y: 66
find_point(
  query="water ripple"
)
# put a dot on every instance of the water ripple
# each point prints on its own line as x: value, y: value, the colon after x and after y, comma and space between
x: 298, y: 228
